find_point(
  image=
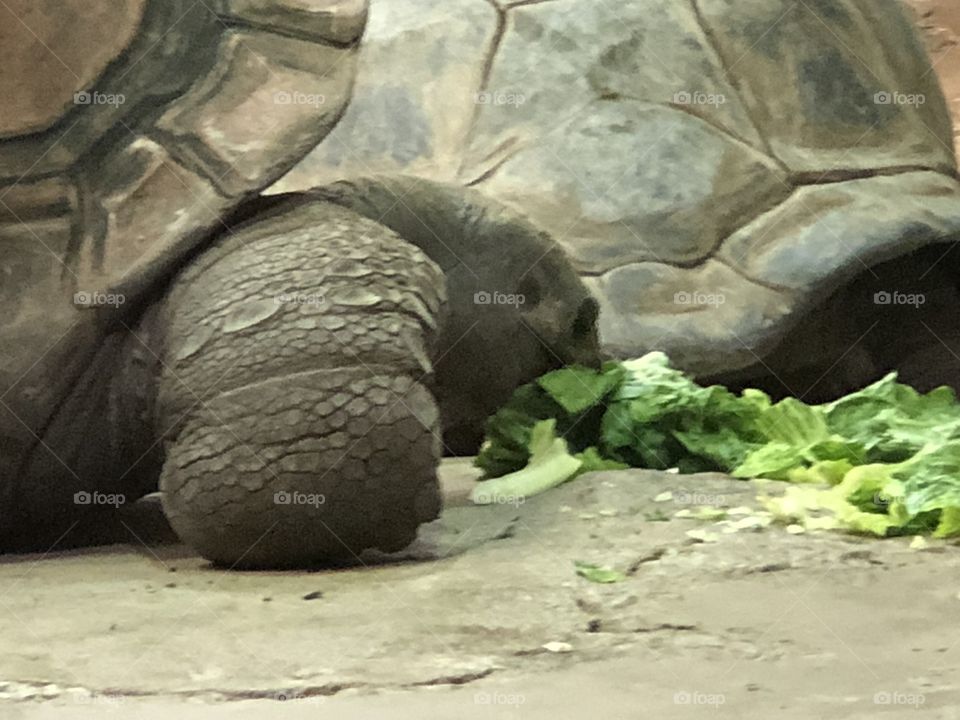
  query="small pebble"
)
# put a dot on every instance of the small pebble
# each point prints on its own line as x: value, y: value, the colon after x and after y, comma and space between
x: 316, y: 595
x: 557, y: 647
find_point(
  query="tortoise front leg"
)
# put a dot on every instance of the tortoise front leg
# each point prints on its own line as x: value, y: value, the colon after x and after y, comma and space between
x: 296, y: 423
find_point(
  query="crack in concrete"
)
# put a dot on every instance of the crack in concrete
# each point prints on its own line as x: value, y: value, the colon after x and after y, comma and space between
x: 32, y: 691
x: 651, y: 557
x: 770, y: 568
x: 461, y: 679
x: 523, y: 3
x: 666, y: 627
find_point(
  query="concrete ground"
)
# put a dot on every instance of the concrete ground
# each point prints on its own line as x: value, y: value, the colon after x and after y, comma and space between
x: 485, y: 617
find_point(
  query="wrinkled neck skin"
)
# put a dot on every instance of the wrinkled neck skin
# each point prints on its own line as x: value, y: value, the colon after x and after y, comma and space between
x: 100, y: 439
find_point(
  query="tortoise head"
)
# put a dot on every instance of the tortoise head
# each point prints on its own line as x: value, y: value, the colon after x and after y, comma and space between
x: 516, y: 307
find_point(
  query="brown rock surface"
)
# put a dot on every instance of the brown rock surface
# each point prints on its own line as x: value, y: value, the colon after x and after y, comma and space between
x: 940, y: 21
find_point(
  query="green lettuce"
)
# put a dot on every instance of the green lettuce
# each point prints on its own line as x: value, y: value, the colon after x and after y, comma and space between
x: 550, y: 465
x: 888, y: 456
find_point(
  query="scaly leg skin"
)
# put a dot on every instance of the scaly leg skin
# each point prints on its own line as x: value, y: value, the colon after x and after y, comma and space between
x: 296, y: 426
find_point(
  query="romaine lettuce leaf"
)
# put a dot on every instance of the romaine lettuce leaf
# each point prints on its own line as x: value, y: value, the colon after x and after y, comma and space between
x: 550, y: 465
x: 888, y: 455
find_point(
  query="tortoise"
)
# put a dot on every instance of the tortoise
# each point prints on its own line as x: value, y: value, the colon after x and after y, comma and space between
x: 278, y: 367
x: 765, y: 190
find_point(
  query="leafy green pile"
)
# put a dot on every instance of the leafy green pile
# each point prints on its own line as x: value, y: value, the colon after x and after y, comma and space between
x: 890, y: 455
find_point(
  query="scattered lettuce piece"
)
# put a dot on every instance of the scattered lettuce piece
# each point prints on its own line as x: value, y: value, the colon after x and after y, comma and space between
x: 702, y: 513
x: 591, y: 461
x: 598, y: 574
x: 949, y: 525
